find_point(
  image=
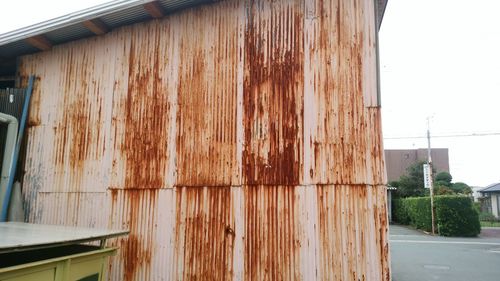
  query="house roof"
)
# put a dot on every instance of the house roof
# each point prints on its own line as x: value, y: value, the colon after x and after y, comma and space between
x: 97, y: 20
x: 492, y: 188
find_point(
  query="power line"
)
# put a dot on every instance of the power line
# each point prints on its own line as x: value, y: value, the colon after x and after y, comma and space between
x: 447, y: 136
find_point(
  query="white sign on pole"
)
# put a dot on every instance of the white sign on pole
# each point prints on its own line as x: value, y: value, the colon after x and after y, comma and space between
x: 427, y: 176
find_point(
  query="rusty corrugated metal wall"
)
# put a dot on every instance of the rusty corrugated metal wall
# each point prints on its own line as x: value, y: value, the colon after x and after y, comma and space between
x: 237, y: 141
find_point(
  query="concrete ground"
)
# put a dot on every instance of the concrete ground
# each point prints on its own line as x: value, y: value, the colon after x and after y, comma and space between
x: 416, y: 256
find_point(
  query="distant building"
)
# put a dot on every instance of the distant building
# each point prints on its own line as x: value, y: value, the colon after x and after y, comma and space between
x: 476, y: 192
x: 491, y: 199
x: 398, y: 160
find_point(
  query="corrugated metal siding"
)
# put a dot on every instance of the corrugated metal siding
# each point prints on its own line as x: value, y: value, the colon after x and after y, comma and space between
x: 272, y: 233
x: 146, y: 253
x: 204, y: 233
x: 209, y: 79
x: 140, y: 110
x: 340, y: 83
x: 273, y: 92
x: 236, y: 141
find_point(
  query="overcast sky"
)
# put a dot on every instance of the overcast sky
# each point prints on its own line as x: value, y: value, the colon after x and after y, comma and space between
x: 439, y: 58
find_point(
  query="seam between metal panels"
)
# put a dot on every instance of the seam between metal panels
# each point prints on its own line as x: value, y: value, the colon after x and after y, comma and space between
x: 227, y: 185
x: 72, y: 192
x: 233, y: 185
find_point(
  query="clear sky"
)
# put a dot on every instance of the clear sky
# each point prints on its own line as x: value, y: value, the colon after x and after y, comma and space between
x: 439, y: 58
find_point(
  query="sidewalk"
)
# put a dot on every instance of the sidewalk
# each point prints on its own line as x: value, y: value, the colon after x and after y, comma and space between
x: 490, y: 232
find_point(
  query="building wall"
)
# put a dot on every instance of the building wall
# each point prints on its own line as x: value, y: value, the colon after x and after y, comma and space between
x: 236, y: 141
x: 398, y: 160
x: 495, y: 206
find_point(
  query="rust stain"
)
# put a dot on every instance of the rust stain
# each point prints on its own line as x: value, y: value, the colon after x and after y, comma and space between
x: 34, y: 118
x: 137, y: 210
x: 342, y: 211
x: 272, y: 241
x: 273, y: 93
x: 204, y: 233
x: 207, y: 97
x: 383, y: 240
x: 339, y: 139
x: 79, y: 123
x: 347, y: 232
x: 146, y: 109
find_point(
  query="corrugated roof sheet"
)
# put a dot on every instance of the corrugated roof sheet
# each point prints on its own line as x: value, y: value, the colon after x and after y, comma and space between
x: 68, y: 27
x: 114, y: 14
x: 492, y: 188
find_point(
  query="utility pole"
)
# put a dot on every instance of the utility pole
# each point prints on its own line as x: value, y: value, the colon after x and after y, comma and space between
x: 429, y: 163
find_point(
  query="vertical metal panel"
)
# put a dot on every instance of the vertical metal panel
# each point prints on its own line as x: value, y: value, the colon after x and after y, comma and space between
x: 204, y: 233
x: 146, y: 254
x: 71, y: 208
x: 339, y: 78
x: 236, y: 141
x: 375, y: 158
x: 141, y: 119
x: 272, y: 233
x: 369, y: 55
x: 273, y: 92
x: 209, y: 77
x: 72, y: 109
x: 348, y: 215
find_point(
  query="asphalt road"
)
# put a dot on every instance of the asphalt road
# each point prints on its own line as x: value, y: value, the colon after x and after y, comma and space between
x: 416, y: 256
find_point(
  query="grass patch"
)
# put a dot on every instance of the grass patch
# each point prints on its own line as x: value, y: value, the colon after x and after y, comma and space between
x: 490, y: 223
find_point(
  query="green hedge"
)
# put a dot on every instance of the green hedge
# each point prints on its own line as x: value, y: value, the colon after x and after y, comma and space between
x: 455, y: 215
x: 400, y: 212
x: 420, y: 212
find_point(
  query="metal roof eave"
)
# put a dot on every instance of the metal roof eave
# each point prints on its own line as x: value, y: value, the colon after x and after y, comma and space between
x: 11, y: 41
x: 69, y: 19
x: 381, y: 5
x: 491, y: 188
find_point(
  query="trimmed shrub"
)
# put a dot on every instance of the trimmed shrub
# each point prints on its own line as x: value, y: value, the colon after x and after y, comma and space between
x: 420, y: 212
x: 455, y: 215
x: 400, y: 213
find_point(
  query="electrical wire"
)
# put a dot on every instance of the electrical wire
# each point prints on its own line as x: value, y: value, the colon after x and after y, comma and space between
x: 458, y: 135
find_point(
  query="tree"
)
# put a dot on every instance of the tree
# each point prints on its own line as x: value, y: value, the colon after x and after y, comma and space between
x: 443, y: 179
x: 411, y: 184
x: 461, y: 188
x: 443, y: 190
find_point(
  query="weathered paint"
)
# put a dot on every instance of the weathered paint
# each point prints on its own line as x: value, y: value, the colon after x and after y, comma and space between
x: 237, y: 141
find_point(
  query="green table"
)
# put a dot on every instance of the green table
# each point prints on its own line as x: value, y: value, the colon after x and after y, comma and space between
x: 33, y: 252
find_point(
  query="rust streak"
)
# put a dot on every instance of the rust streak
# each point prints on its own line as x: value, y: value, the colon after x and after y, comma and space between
x: 204, y: 233
x: 273, y: 94
x: 146, y: 109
